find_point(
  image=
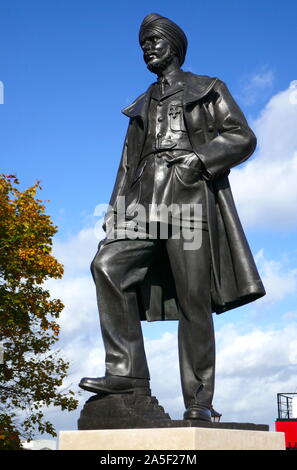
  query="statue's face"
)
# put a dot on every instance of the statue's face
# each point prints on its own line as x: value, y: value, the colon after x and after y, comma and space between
x: 157, y: 52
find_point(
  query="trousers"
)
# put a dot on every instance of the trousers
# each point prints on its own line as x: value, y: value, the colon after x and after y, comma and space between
x: 118, y: 268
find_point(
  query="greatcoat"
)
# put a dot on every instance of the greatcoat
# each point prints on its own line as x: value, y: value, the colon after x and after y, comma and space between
x: 221, y: 138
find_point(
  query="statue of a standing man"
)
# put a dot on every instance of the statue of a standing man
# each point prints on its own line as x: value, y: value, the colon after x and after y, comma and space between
x: 185, y: 134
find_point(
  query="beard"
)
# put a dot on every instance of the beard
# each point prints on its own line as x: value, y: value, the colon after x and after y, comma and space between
x: 160, y: 63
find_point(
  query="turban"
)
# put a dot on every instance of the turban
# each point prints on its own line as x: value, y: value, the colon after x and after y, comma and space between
x: 167, y: 29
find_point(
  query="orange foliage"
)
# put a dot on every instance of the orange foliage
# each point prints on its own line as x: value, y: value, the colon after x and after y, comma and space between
x: 31, y: 373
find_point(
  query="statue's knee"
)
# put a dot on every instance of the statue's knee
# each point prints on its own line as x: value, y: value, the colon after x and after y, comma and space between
x: 93, y: 266
x: 96, y: 265
x: 100, y: 264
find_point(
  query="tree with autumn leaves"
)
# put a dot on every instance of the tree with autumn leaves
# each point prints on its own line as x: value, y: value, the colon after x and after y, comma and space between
x: 32, y: 372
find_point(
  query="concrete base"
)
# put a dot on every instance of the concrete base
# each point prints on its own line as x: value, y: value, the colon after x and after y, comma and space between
x: 171, y: 439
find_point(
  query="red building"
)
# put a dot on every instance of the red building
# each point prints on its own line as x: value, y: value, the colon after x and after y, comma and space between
x: 287, y: 418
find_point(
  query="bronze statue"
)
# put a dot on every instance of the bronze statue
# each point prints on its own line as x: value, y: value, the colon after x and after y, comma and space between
x: 185, y: 134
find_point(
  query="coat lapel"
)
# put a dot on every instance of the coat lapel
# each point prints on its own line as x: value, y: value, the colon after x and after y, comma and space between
x: 139, y: 107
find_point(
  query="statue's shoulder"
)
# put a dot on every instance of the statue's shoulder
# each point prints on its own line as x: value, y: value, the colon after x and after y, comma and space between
x: 201, y: 81
x: 199, y: 86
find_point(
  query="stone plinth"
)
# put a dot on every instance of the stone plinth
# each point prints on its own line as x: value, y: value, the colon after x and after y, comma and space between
x: 122, y: 411
x: 180, y: 438
x: 138, y: 422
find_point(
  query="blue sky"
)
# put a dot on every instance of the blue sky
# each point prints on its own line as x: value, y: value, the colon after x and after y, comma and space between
x: 68, y: 68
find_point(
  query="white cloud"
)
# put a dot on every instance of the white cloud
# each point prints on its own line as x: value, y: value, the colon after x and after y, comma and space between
x: 249, y: 354
x: 265, y: 187
x: 292, y: 315
x: 251, y: 369
x: 76, y: 289
x: 77, y: 252
x: 279, y: 281
x: 162, y: 354
x: 78, y: 295
x: 256, y: 86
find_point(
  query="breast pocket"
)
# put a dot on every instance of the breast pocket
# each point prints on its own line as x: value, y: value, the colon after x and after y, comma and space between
x: 176, y: 117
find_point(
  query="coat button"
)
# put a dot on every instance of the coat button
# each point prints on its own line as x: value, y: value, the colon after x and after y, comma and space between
x: 160, y: 119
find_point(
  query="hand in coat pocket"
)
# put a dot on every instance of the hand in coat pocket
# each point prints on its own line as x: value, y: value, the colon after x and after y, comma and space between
x: 190, y: 160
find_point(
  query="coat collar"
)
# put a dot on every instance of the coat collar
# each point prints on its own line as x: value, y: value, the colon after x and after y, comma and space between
x: 171, y: 90
x: 195, y: 88
x: 139, y: 107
